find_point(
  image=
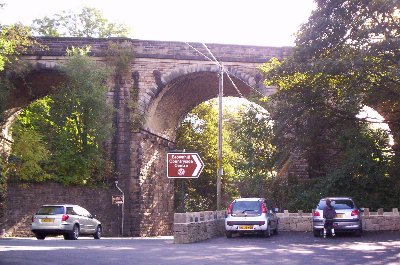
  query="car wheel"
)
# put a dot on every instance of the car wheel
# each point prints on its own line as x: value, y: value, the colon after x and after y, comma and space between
x: 97, y: 234
x: 267, y: 233
x: 75, y: 233
x: 317, y: 233
x: 40, y: 236
x: 228, y: 234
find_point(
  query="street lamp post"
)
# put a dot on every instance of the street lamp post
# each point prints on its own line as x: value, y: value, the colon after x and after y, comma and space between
x: 220, y: 170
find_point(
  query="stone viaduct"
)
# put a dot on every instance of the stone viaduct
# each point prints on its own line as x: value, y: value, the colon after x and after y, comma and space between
x: 165, y: 81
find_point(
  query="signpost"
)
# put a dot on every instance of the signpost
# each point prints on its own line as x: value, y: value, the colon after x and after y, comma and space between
x: 117, y: 199
x: 184, y: 165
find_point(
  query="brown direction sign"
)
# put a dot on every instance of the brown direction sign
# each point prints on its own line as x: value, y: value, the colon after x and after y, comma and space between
x: 184, y: 165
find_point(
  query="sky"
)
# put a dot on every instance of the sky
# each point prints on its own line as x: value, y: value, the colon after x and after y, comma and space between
x: 248, y: 22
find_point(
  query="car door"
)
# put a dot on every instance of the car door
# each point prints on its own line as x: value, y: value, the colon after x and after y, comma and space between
x: 82, y: 219
x: 89, y: 222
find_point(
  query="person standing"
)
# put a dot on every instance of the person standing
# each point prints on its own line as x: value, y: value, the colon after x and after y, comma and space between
x: 328, y: 214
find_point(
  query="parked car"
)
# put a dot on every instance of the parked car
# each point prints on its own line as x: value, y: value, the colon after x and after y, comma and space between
x: 348, y: 216
x: 65, y: 219
x: 251, y: 215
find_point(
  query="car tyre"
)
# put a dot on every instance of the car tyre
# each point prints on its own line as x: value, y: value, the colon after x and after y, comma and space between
x: 267, y: 233
x: 228, y: 234
x: 97, y: 234
x: 74, y: 235
x: 40, y: 236
x: 66, y: 236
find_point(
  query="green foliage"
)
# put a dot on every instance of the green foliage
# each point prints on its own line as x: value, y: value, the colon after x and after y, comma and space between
x: 14, y: 40
x: 346, y: 57
x: 253, y: 134
x: 88, y: 23
x: 120, y: 55
x: 29, y: 156
x: 72, y: 124
x: 199, y: 133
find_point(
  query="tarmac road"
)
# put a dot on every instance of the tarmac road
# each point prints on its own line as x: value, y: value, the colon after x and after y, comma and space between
x: 285, y: 248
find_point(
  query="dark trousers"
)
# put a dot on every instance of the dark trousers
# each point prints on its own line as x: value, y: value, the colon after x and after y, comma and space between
x: 328, y: 224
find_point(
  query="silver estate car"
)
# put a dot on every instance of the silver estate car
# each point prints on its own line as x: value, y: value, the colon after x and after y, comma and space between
x: 250, y: 215
x: 65, y: 219
x: 348, y: 216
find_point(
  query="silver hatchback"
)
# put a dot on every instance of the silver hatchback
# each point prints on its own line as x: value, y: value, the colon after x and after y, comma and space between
x: 348, y: 216
x: 251, y: 215
x: 65, y: 219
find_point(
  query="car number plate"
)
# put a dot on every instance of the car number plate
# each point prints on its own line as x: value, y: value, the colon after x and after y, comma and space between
x: 246, y: 227
x: 339, y: 215
x: 47, y: 220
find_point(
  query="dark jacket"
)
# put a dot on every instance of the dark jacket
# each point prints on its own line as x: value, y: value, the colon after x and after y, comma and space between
x: 329, y: 212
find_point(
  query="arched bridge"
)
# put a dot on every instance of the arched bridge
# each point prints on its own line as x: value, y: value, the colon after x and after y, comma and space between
x: 165, y: 81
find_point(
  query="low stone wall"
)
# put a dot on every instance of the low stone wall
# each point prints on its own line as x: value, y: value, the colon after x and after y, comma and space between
x: 371, y: 221
x: 295, y: 221
x: 198, y: 226
x: 381, y: 221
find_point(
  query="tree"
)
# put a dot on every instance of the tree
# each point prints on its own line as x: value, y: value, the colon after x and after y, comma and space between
x: 73, y: 123
x: 346, y: 57
x: 89, y: 23
x: 14, y: 41
x: 252, y: 132
x: 199, y: 132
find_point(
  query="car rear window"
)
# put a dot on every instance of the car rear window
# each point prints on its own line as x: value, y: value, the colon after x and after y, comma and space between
x: 51, y: 210
x: 246, y: 206
x: 337, y: 204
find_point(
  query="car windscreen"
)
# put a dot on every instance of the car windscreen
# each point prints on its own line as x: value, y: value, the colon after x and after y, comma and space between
x: 337, y: 204
x: 246, y: 207
x: 50, y: 210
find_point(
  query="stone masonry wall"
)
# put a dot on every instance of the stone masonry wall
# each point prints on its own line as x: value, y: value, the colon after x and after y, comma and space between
x: 23, y: 201
x: 157, y: 191
x: 199, y: 226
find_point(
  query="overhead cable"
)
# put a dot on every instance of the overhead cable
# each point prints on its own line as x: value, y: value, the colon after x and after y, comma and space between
x: 200, y: 53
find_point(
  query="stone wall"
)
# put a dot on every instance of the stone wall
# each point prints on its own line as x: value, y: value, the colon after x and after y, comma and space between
x: 199, y: 226
x: 157, y: 191
x: 194, y: 227
x: 371, y: 221
x: 23, y: 201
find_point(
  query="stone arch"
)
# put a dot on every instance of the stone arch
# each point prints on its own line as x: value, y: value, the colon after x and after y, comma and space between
x: 180, y: 90
x: 39, y: 82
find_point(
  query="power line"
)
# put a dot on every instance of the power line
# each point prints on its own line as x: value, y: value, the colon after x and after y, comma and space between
x: 200, y: 53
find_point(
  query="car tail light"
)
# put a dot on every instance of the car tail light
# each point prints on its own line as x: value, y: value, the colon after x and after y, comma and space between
x: 229, y: 223
x: 263, y: 208
x: 261, y: 223
x: 355, y: 213
x: 316, y: 213
x: 33, y: 218
x: 64, y: 217
x: 230, y: 209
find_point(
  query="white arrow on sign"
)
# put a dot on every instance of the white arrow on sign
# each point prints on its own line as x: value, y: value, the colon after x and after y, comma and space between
x: 199, y: 166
